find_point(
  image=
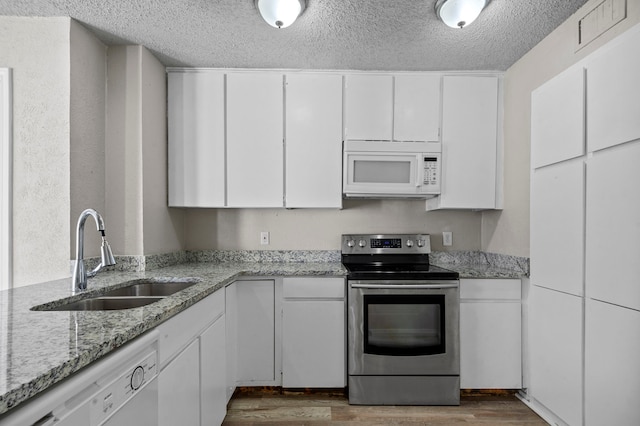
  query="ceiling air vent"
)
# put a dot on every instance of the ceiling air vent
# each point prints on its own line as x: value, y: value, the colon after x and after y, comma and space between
x: 600, y: 19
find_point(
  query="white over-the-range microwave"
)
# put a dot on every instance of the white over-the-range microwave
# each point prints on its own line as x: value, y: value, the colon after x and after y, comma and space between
x: 390, y: 169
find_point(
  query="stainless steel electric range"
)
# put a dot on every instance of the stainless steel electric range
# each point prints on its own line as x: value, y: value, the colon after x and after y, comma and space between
x: 403, y: 322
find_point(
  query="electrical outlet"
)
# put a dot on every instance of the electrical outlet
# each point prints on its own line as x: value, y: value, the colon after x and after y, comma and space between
x: 447, y: 238
x: 264, y: 238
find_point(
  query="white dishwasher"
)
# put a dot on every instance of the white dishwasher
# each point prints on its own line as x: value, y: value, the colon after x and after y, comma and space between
x: 121, y: 389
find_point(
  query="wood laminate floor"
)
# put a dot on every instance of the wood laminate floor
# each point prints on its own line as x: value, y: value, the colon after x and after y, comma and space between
x: 332, y: 409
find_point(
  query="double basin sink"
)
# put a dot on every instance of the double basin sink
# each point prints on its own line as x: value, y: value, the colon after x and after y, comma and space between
x: 132, y: 294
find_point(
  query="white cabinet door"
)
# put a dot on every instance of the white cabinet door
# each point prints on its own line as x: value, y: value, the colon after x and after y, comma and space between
x: 196, y: 139
x: 557, y: 227
x: 179, y: 389
x: 557, y: 118
x: 556, y: 352
x: 256, y: 333
x: 231, y: 333
x: 490, y: 334
x: 613, y: 88
x: 313, y: 332
x: 613, y: 225
x: 416, y: 114
x: 313, y: 140
x: 469, y: 143
x: 313, y: 344
x: 213, y: 378
x: 255, y: 140
x: 612, y: 370
x: 368, y: 107
x: 490, y: 345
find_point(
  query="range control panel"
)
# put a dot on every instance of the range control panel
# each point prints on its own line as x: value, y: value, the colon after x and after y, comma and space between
x: 386, y: 243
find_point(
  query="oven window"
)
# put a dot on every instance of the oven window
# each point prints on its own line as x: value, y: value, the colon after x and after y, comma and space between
x: 407, y: 325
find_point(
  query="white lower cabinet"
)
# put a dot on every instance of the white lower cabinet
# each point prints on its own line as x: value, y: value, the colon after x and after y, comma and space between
x: 612, y: 370
x: 313, y: 333
x: 179, y: 389
x: 191, y: 359
x: 231, y: 341
x: 213, y: 376
x: 556, y: 329
x: 490, y: 334
x: 255, y: 333
x: 234, y: 338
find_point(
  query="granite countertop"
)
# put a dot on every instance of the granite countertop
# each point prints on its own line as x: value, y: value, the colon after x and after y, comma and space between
x: 40, y: 348
x: 477, y: 264
x: 474, y: 270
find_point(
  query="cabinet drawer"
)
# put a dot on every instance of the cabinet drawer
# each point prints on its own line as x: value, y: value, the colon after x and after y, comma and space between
x: 303, y: 288
x: 500, y: 289
x: 180, y: 330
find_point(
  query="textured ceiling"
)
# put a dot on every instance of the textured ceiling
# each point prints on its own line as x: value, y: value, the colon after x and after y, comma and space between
x: 331, y: 34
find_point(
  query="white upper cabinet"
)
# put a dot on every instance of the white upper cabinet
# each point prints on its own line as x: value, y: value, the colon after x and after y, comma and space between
x: 196, y: 139
x: 313, y: 139
x: 469, y: 144
x: 404, y: 107
x: 557, y: 118
x: 557, y: 222
x: 416, y: 107
x: 613, y: 89
x: 613, y: 226
x: 368, y: 107
x: 255, y: 173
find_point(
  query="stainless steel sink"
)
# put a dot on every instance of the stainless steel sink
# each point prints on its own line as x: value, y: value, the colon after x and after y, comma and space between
x: 105, y: 304
x: 131, y: 294
x: 151, y: 287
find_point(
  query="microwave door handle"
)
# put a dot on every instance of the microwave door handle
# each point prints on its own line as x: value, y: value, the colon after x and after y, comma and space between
x: 419, y: 171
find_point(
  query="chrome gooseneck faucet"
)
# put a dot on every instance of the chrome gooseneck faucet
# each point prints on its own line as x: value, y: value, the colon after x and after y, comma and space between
x: 80, y: 274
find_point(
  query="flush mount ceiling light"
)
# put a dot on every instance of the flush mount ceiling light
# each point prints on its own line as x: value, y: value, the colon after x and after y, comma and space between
x: 280, y: 13
x: 459, y: 13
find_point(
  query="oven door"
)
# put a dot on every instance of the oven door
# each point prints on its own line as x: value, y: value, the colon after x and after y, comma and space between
x: 403, y: 327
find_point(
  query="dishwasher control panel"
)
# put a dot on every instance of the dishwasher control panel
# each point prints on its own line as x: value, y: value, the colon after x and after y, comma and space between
x: 114, y: 395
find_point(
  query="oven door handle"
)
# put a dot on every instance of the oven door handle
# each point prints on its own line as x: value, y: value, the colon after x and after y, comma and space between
x: 405, y: 286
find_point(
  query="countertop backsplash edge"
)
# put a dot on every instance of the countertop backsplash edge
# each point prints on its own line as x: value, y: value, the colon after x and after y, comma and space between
x: 453, y: 259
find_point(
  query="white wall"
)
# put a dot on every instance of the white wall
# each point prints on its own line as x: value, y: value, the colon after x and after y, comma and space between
x: 163, y: 227
x: 123, y: 151
x: 508, y: 231
x: 41, y: 104
x: 58, y: 160
x: 320, y: 229
x: 6, y: 143
x: 88, y: 116
x: 139, y: 220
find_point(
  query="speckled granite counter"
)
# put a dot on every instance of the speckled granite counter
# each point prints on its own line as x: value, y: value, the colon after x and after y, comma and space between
x: 40, y: 348
x: 477, y: 264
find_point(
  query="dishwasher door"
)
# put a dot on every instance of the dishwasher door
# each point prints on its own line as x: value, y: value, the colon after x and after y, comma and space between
x: 119, y: 389
x: 125, y: 396
x: 141, y: 410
